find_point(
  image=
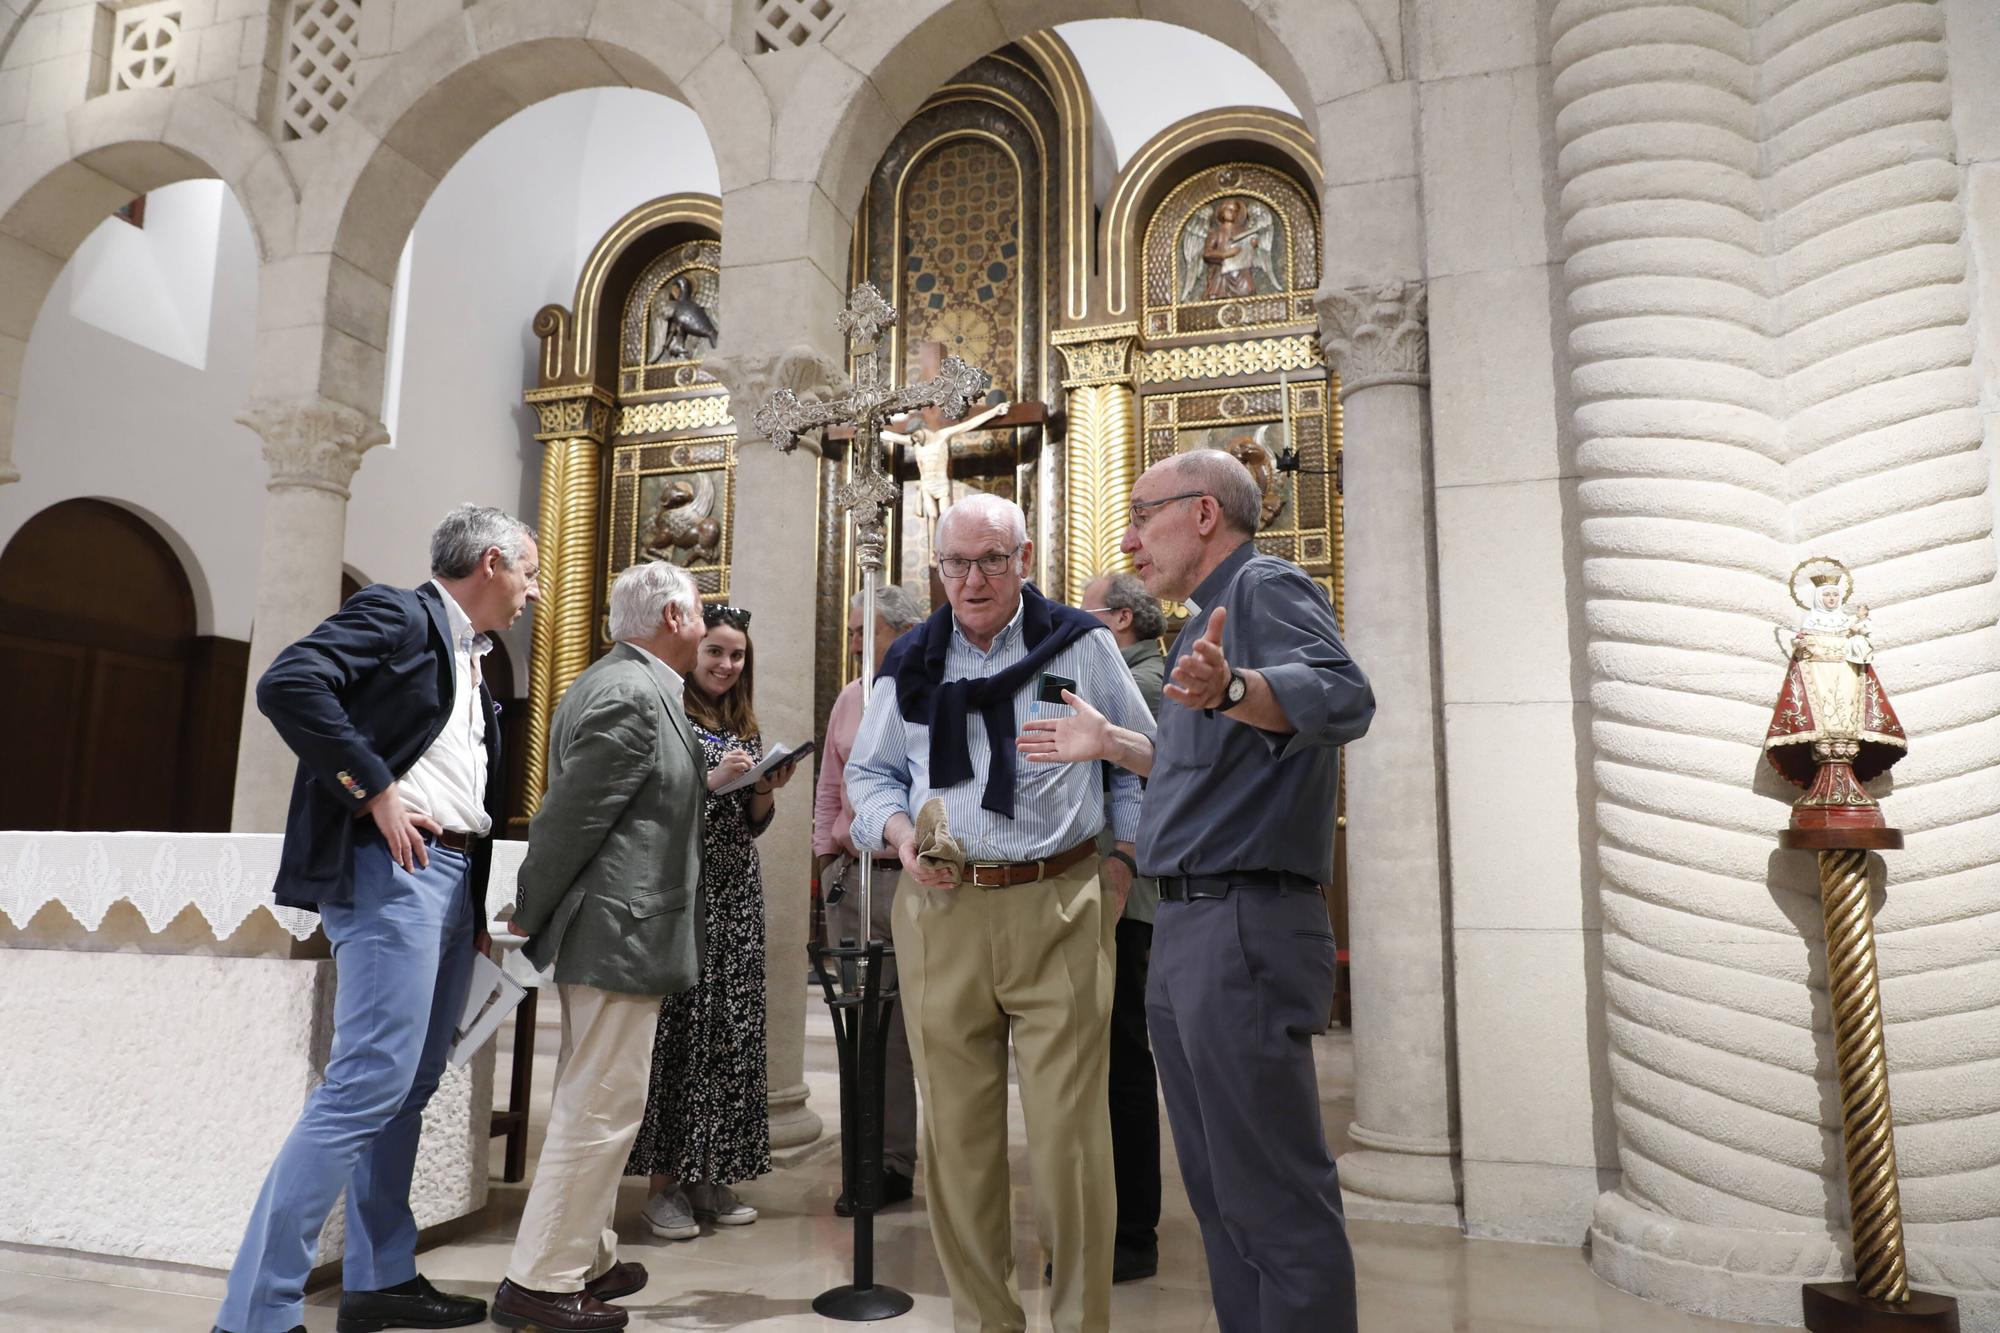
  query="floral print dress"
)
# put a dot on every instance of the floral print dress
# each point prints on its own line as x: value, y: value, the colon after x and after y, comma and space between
x: 706, y: 1118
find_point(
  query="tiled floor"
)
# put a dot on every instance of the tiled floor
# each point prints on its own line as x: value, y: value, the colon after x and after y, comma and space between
x: 763, y: 1277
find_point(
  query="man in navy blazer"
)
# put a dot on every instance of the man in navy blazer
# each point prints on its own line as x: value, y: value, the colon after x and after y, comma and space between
x: 398, y: 785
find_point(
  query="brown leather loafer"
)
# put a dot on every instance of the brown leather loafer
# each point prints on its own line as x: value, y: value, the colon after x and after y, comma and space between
x: 617, y: 1281
x: 557, y: 1312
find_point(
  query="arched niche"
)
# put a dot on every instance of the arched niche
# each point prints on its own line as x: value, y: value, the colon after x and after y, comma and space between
x: 118, y: 714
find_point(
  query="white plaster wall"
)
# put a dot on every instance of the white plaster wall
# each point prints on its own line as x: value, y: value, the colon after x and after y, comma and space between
x: 103, y: 415
x: 505, y: 233
x: 1534, y: 1110
x: 1144, y: 76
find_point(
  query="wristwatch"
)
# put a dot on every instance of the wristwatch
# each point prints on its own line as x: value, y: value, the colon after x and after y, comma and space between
x: 1234, y: 692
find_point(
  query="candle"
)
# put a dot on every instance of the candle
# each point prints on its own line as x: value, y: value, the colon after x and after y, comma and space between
x: 1285, y: 408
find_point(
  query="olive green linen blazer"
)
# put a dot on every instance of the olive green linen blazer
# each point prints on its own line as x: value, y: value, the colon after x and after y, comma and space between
x: 610, y: 889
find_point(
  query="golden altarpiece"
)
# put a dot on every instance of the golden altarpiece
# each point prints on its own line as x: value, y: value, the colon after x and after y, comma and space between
x: 1122, y: 318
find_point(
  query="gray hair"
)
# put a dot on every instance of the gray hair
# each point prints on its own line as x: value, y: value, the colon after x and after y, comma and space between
x: 895, y: 604
x: 1224, y: 477
x: 986, y: 505
x: 1124, y: 592
x: 641, y: 594
x: 469, y: 532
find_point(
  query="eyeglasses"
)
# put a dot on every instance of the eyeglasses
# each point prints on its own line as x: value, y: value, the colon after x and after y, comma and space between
x: 1097, y: 610
x: 1142, y: 510
x: 718, y: 613
x: 992, y: 564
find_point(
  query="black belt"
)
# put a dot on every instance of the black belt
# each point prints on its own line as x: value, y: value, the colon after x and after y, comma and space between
x: 458, y: 842
x: 1182, y: 888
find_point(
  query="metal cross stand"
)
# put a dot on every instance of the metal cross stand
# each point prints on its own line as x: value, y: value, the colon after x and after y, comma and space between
x: 861, y: 1008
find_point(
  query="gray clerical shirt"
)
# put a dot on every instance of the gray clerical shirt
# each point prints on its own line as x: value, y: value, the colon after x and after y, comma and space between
x: 1225, y: 797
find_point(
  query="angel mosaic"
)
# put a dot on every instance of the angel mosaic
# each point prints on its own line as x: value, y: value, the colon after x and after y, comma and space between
x: 1228, y: 250
x: 1832, y: 712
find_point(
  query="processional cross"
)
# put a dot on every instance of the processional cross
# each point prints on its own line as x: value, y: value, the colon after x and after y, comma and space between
x: 860, y: 1007
x: 867, y: 497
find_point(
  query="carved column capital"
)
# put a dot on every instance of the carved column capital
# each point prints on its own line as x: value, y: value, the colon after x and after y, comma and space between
x: 752, y: 377
x: 312, y: 443
x: 1101, y: 355
x: 1376, y: 335
x: 571, y: 412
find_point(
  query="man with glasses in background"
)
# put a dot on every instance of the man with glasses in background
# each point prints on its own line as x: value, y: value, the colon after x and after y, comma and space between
x: 1238, y: 828
x: 1017, y: 944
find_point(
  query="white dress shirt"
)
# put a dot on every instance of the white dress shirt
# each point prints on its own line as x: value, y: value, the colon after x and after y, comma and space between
x: 670, y: 679
x: 448, y: 782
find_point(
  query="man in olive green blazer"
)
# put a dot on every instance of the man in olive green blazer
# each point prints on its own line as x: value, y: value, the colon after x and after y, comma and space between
x: 610, y: 892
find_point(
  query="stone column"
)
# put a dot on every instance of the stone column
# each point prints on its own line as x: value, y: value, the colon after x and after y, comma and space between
x: 1101, y: 400
x: 775, y: 549
x: 1404, y: 1167
x: 313, y: 445
x: 574, y: 421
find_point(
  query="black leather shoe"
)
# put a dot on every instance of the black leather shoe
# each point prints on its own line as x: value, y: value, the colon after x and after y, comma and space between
x: 560, y: 1312
x: 896, y: 1188
x: 426, y: 1307
x: 1129, y: 1263
x: 617, y: 1281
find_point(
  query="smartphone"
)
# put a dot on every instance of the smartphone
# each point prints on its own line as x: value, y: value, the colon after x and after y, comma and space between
x: 1052, y: 687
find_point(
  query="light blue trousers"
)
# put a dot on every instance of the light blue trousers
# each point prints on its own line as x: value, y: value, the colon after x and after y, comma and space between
x: 402, y: 954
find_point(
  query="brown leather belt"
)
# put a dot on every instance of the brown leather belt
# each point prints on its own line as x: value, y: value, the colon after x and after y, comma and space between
x: 458, y: 842
x: 1006, y: 874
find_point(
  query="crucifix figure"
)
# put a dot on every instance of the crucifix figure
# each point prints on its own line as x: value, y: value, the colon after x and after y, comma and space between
x: 928, y: 435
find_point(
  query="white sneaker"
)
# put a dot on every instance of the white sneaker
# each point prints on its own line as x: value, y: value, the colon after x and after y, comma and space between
x: 668, y: 1214
x: 719, y: 1204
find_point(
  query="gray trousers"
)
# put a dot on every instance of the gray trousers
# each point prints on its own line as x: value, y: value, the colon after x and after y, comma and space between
x: 899, y: 1107
x: 1239, y: 987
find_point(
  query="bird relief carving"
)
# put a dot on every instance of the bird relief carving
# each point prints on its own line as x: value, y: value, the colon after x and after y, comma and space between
x: 675, y: 321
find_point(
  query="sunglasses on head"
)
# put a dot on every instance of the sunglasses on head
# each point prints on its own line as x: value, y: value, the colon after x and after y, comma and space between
x: 719, y: 613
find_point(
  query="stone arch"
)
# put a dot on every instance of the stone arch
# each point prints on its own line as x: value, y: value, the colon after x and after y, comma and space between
x: 66, y: 176
x: 434, y: 100
x: 875, y: 75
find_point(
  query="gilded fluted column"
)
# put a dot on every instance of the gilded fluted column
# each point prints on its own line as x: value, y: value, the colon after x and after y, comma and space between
x: 574, y: 420
x: 1405, y: 1163
x: 313, y: 446
x: 1101, y: 403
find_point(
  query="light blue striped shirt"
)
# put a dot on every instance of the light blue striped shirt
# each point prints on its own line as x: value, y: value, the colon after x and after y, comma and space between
x: 1056, y: 806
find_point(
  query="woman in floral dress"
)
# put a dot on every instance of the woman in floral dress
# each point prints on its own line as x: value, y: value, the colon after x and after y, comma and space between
x: 706, y: 1125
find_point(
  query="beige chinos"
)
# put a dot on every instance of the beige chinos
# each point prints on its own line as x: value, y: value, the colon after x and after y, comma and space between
x: 1033, y: 962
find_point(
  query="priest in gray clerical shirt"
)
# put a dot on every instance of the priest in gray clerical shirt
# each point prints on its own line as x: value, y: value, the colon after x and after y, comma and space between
x: 1237, y: 824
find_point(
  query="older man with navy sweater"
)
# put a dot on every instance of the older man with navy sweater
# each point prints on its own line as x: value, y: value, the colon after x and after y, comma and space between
x: 1021, y: 945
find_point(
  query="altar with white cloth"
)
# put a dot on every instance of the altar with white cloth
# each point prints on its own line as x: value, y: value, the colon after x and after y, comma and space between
x: 164, y: 1024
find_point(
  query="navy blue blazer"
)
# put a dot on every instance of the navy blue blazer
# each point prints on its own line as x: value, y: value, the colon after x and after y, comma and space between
x: 359, y: 700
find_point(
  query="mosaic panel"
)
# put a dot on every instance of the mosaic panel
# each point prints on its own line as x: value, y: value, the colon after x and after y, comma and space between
x: 673, y: 500
x: 1233, y: 247
x: 661, y: 340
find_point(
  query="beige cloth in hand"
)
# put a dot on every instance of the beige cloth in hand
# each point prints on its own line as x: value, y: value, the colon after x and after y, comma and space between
x: 936, y: 848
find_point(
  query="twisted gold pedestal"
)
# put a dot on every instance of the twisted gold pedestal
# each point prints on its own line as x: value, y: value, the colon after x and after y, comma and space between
x: 1879, y: 1299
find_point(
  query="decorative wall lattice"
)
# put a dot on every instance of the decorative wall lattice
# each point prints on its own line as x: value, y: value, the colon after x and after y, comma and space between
x: 319, y: 65
x: 146, y: 47
x: 779, y: 25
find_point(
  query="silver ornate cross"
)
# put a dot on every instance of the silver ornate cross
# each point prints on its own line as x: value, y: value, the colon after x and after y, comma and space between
x: 867, y: 497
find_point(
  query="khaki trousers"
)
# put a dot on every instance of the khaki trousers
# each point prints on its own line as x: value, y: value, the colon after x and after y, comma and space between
x: 899, y: 1106
x: 566, y: 1235
x: 1034, y: 962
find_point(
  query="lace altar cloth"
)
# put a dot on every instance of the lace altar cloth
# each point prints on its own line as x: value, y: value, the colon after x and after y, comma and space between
x: 224, y: 876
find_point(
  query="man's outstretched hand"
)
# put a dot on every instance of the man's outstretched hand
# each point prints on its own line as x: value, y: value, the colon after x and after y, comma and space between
x: 1084, y: 737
